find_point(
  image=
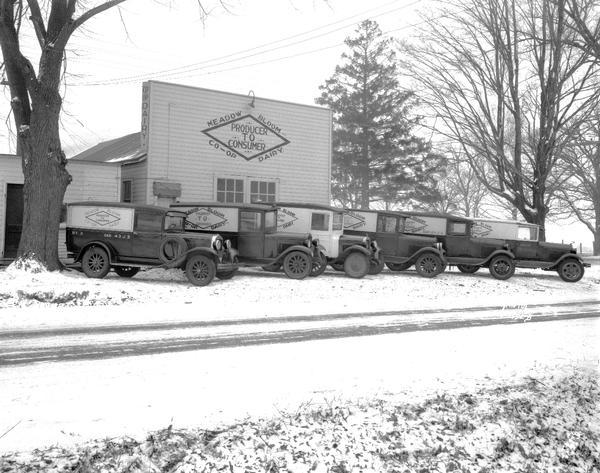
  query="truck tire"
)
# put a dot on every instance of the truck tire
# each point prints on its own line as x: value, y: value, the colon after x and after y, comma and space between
x: 95, y: 262
x: 376, y: 268
x: 126, y: 271
x: 172, y: 248
x: 570, y: 270
x: 356, y: 265
x: 502, y: 267
x: 200, y: 270
x: 467, y: 268
x: 398, y: 266
x: 297, y: 265
x: 429, y: 265
x: 319, y: 265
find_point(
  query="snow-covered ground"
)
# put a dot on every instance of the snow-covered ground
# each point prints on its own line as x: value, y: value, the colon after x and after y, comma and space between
x: 71, y: 402
x: 67, y: 403
x: 54, y: 299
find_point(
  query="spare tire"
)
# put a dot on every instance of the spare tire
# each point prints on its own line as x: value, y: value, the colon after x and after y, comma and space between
x: 172, y: 248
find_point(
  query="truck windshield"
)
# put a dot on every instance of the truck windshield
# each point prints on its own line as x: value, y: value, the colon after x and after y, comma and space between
x: 320, y: 222
x: 527, y: 233
x: 270, y: 222
x: 174, y: 222
x: 338, y: 220
x: 386, y: 224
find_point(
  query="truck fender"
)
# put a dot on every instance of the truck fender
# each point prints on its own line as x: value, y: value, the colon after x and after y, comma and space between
x: 429, y: 249
x: 353, y: 248
x: 109, y: 250
x: 510, y: 254
x: 301, y: 248
x: 180, y: 262
x: 564, y: 257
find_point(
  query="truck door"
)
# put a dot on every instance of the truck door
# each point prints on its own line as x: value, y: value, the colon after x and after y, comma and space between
x: 147, y: 234
x: 251, y: 236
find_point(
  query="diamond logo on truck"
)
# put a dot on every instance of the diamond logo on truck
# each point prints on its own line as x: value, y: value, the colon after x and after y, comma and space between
x: 353, y: 220
x: 204, y: 218
x: 103, y: 218
x: 285, y: 218
x: 247, y: 137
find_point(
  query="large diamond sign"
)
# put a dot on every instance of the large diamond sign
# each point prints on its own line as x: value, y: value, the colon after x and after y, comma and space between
x: 247, y: 137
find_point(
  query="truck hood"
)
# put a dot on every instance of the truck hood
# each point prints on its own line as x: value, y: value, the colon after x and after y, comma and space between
x: 560, y: 247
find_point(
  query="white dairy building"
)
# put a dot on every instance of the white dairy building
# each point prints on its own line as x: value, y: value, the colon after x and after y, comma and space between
x: 205, y: 145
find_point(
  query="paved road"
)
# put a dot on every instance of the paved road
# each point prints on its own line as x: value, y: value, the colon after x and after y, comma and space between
x: 90, y: 343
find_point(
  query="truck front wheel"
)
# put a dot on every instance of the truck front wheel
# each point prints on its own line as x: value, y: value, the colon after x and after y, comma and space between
x: 200, y: 270
x: 570, y: 270
x: 356, y: 265
x: 297, y: 265
x: 429, y: 265
x: 502, y: 267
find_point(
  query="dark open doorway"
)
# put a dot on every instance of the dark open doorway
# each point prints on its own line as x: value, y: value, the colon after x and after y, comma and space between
x: 14, y: 219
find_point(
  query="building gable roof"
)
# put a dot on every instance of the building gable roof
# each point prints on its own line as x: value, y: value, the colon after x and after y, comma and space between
x: 123, y: 150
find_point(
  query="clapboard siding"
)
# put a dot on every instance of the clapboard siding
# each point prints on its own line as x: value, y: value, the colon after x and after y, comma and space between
x: 178, y: 150
x: 139, y: 180
x: 91, y: 181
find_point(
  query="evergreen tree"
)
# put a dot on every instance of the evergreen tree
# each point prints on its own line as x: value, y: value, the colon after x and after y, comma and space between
x: 375, y: 155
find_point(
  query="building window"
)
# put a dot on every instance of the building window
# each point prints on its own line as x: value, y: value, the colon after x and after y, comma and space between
x: 262, y: 191
x: 126, y: 191
x: 230, y: 190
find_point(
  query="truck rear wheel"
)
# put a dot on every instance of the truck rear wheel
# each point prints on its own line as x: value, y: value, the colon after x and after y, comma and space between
x: 356, y: 265
x: 398, y: 266
x: 467, y: 268
x: 95, y: 262
x: 570, y: 270
x: 126, y: 271
x: 200, y: 270
x: 297, y: 265
x: 376, y: 268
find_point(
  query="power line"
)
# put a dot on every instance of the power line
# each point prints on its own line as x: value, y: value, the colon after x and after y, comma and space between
x: 303, y: 53
x: 201, y: 65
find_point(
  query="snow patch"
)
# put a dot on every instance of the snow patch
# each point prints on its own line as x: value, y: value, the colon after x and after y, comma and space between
x: 23, y: 266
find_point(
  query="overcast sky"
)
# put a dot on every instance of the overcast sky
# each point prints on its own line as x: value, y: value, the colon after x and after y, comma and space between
x: 280, y: 49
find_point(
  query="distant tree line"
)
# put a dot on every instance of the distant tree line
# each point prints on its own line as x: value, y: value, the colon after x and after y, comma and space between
x: 513, y: 89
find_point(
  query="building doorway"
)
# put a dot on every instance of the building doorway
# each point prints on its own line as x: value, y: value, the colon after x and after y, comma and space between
x: 14, y: 219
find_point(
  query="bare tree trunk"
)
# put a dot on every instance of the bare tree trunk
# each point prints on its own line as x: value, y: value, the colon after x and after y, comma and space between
x: 45, y: 182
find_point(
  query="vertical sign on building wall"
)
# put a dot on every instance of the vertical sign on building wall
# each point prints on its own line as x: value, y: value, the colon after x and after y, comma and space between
x: 145, y: 116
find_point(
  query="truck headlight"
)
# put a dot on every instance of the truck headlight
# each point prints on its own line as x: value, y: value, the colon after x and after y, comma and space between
x: 366, y: 241
x: 227, y: 244
x: 217, y: 242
